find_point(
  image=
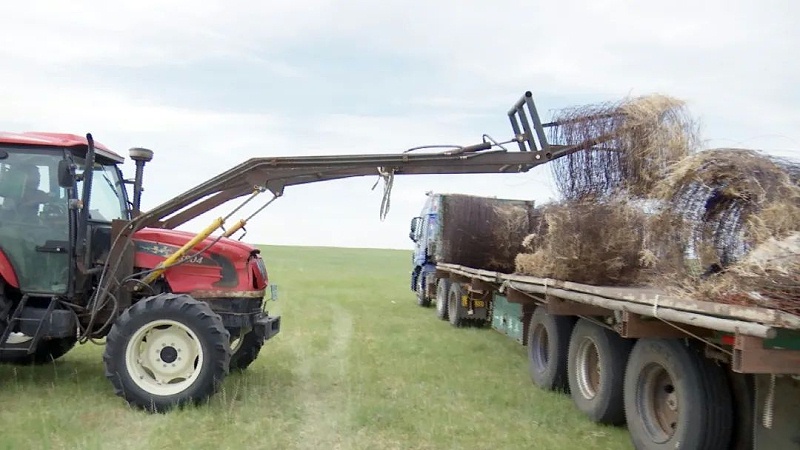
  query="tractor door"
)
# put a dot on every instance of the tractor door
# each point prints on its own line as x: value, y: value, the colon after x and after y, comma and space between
x: 34, y: 227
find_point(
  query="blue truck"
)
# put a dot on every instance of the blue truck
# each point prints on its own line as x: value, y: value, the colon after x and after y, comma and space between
x: 677, y: 372
x: 463, y: 229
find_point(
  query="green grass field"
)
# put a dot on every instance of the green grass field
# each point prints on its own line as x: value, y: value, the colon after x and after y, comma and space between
x: 357, y: 365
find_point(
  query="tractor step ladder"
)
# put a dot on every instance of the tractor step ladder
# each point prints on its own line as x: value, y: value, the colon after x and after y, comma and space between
x: 17, y: 318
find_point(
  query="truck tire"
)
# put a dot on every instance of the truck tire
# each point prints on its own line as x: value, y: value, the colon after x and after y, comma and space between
x: 596, y: 372
x: 166, y: 351
x: 674, y: 397
x: 244, y: 350
x: 47, y: 351
x: 442, y: 291
x: 454, y: 308
x: 422, y: 299
x: 548, y: 349
x: 743, y: 391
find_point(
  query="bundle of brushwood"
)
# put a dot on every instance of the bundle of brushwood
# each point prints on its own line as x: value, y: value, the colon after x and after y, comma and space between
x: 768, y: 276
x: 627, y: 146
x: 717, y: 205
x: 588, y: 242
x: 483, y: 232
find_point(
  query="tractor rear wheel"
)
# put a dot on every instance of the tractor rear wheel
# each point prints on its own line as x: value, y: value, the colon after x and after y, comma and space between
x: 47, y: 351
x: 165, y: 351
x: 244, y: 349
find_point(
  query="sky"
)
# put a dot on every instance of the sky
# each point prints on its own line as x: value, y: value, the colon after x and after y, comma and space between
x: 208, y: 85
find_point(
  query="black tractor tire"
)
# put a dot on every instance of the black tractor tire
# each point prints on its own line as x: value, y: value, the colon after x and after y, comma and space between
x: 47, y: 351
x: 675, y: 397
x: 442, y: 294
x: 159, y: 330
x: 422, y: 298
x: 454, y: 308
x: 245, y: 351
x: 548, y: 349
x: 596, y: 372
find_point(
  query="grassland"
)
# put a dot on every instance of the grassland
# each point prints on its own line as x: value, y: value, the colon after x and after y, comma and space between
x: 357, y: 365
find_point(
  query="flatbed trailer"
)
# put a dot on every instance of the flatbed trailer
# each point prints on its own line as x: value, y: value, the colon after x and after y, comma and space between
x: 680, y: 373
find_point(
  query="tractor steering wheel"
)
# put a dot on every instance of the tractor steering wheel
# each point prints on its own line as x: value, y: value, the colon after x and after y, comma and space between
x: 53, y: 210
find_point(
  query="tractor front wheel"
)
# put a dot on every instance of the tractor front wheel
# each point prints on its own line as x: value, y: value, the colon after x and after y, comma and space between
x: 165, y: 351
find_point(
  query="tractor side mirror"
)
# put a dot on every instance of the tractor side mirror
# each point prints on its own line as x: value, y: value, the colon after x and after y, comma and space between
x: 414, y: 226
x: 66, y: 173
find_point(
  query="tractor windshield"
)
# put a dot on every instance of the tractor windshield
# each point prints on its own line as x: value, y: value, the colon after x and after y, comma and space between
x: 108, y: 200
x: 34, y: 228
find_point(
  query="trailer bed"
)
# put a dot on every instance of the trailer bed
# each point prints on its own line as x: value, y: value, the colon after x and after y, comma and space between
x: 647, y: 301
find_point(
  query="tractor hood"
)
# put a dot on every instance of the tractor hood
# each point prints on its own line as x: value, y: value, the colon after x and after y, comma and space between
x: 178, y: 238
x: 229, y: 268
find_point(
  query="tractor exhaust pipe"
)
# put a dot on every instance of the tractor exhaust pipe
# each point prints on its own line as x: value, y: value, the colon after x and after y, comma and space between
x: 83, y: 218
x: 141, y: 156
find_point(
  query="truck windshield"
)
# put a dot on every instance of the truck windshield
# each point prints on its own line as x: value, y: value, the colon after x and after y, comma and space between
x: 107, y: 201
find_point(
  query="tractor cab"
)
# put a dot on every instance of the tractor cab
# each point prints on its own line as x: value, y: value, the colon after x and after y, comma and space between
x: 38, y: 207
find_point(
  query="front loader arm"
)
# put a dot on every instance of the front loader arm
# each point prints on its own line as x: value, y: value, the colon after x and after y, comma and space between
x: 274, y: 174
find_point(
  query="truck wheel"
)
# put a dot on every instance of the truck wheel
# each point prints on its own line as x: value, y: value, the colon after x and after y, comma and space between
x: 596, y: 372
x: 442, y: 290
x: 743, y: 410
x: 47, y: 351
x: 548, y: 348
x: 454, y: 307
x: 165, y: 351
x: 244, y: 350
x: 422, y: 298
x: 674, y: 397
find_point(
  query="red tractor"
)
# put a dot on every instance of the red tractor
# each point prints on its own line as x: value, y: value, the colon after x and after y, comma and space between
x: 79, y: 260
x: 167, y: 342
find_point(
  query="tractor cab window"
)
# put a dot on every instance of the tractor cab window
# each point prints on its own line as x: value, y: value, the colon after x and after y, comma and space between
x: 28, y: 186
x: 107, y: 201
x: 34, y: 227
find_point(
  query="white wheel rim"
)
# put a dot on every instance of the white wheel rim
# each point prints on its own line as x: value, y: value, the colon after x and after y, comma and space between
x: 235, y: 344
x: 164, y: 357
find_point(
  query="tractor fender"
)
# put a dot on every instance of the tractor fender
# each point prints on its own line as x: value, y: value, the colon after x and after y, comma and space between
x: 7, y: 271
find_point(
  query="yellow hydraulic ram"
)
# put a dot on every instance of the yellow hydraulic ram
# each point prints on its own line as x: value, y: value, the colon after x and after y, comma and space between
x: 236, y: 227
x: 242, y: 222
x: 173, y: 258
x: 215, y: 225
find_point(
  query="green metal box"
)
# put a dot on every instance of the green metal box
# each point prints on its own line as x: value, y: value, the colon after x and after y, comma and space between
x: 507, y: 318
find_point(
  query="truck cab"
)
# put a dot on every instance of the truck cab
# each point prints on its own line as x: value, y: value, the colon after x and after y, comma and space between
x: 424, y: 235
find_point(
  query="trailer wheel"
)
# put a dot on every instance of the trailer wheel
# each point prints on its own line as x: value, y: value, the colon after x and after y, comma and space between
x: 548, y: 348
x: 166, y: 351
x: 743, y: 410
x: 47, y: 351
x: 244, y: 349
x: 442, y: 291
x: 454, y: 307
x: 596, y: 372
x: 674, y: 397
x: 422, y: 298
